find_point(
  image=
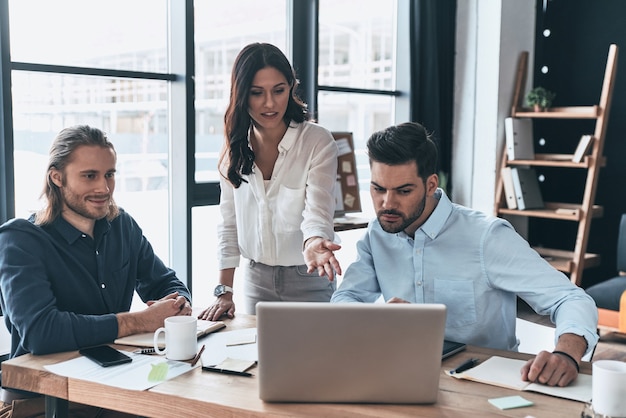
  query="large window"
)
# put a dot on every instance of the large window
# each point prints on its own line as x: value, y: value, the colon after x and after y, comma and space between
x: 138, y: 129
x: 222, y: 30
x: 116, y: 34
x: 357, y: 73
x: 132, y: 110
x: 115, y: 65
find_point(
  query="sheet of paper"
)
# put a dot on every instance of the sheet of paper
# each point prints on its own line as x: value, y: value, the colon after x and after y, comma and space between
x: 142, y: 373
x: 219, y: 348
x: 579, y: 390
x: 241, y: 340
x: 343, y: 146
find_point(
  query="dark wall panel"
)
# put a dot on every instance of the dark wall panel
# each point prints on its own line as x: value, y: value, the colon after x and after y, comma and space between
x: 575, y: 53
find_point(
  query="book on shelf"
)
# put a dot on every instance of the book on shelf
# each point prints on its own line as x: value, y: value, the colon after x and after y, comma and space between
x: 146, y: 339
x: 526, y: 186
x: 583, y: 148
x: 505, y: 372
x: 509, y: 190
x: 519, y: 138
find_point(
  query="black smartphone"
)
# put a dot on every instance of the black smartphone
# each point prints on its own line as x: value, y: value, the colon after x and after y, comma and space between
x: 451, y: 347
x: 105, y: 355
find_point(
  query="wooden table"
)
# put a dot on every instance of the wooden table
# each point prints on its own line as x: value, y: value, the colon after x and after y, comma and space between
x: 202, y: 394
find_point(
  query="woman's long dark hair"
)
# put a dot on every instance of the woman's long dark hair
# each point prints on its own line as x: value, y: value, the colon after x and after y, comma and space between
x: 250, y: 60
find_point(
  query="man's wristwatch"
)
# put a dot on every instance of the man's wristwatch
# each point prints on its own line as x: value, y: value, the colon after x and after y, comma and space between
x: 222, y: 289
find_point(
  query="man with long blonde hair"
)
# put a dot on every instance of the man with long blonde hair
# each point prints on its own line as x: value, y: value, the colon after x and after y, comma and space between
x: 68, y: 274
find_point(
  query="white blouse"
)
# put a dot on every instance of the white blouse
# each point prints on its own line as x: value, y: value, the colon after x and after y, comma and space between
x: 269, y: 224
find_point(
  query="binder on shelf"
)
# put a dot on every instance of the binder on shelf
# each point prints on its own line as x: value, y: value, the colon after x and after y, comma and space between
x: 519, y: 138
x: 583, y: 147
x: 526, y: 185
x: 509, y: 190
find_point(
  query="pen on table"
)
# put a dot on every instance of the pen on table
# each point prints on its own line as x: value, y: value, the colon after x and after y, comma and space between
x: 226, y: 371
x: 144, y: 351
x: 197, y: 357
x: 465, y: 366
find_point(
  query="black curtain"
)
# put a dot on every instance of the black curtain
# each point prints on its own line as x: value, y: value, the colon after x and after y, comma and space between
x: 432, y: 43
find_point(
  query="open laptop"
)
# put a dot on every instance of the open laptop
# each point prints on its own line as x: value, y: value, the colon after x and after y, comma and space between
x: 349, y: 352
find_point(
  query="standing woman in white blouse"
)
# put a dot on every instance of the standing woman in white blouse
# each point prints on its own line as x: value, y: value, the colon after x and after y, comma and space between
x: 278, y: 174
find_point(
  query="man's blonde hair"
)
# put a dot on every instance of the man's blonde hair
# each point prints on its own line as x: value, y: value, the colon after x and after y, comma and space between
x: 60, y: 155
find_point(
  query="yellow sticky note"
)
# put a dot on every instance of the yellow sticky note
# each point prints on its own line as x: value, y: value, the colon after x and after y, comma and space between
x: 158, y: 372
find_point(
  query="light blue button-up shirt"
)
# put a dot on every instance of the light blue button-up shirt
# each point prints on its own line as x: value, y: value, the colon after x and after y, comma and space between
x: 476, y: 265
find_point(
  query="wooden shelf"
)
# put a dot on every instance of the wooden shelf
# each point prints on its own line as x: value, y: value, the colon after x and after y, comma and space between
x: 563, y: 260
x: 555, y: 210
x: 570, y: 262
x: 571, y: 112
x: 557, y: 160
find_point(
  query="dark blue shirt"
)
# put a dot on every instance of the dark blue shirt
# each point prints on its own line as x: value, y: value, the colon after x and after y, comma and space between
x: 61, y: 289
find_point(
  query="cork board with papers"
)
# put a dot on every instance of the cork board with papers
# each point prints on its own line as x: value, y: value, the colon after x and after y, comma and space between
x: 347, y: 197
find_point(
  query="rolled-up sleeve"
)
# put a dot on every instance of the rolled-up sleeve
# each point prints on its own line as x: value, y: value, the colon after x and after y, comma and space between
x: 228, y: 253
x: 320, y: 185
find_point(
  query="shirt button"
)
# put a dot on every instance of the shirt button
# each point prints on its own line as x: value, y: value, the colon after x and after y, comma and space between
x: 83, y: 236
x: 419, y: 283
x: 103, y: 286
x: 97, y: 252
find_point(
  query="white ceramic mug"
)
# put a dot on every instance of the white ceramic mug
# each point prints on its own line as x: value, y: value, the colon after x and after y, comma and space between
x: 181, y: 340
x: 609, y: 388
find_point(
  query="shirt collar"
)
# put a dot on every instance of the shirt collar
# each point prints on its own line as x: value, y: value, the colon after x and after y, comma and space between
x: 437, y: 219
x: 290, y: 137
x: 71, y: 234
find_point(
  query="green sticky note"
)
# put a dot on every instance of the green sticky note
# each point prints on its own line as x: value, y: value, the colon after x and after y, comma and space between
x: 158, y: 372
x: 509, y: 402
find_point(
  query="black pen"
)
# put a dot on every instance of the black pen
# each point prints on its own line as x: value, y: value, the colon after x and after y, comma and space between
x: 465, y: 366
x: 145, y: 351
x: 226, y: 371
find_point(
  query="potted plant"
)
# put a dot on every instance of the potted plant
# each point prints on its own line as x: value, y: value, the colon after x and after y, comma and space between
x: 539, y: 98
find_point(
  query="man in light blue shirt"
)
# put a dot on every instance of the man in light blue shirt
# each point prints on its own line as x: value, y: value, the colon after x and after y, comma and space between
x: 422, y: 248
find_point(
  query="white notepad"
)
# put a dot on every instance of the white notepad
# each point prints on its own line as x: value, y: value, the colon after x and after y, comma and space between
x: 505, y: 372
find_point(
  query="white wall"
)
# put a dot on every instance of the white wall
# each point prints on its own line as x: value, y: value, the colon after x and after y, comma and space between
x: 490, y: 36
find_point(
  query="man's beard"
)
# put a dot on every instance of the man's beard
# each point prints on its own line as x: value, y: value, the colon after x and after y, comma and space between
x: 77, y: 205
x: 406, y: 220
